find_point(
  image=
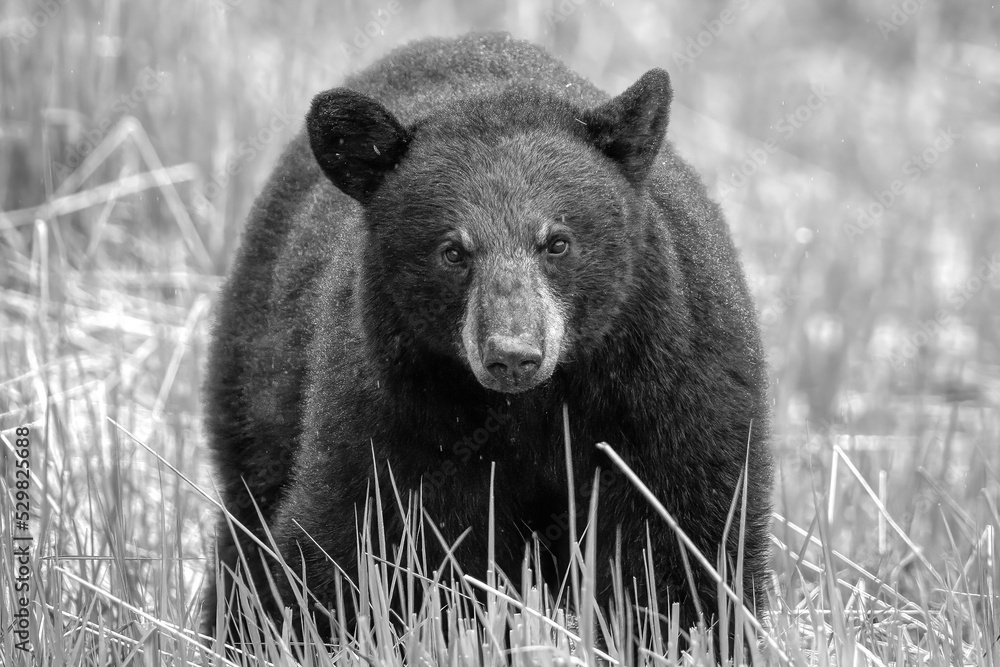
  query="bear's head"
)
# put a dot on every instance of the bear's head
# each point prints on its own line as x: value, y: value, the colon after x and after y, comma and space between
x: 503, y: 230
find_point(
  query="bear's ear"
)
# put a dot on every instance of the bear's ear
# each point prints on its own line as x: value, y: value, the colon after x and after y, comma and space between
x: 355, y: 140
x: 630, y: 128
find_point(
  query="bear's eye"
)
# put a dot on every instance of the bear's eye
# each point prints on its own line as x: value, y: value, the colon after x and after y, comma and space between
x: 558, y: 246
x: 453, y: 255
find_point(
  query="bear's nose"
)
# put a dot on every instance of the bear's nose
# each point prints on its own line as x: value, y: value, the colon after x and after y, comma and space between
x: 511, y: 359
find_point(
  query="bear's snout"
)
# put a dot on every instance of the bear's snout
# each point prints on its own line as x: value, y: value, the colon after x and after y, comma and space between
x: 513, y: 330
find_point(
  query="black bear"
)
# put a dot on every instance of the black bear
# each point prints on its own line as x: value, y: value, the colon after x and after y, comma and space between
x: 466, y: 237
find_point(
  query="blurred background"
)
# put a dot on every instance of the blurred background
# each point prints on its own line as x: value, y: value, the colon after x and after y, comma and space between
x: 851, y: 144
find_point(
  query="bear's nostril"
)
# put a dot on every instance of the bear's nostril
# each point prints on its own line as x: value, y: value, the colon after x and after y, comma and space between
x: 497, y: 368
x: 511, y: 359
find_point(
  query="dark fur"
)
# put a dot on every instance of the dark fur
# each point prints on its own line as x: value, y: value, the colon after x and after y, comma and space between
x: 336, y: 333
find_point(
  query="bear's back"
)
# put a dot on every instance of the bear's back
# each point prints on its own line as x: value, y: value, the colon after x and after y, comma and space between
x: 420, y: 78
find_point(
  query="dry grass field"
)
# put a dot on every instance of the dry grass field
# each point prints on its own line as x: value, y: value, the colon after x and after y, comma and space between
x: 854, y: 146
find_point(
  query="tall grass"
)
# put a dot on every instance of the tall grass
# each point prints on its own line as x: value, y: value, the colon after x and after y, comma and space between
x: 118, y: 121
